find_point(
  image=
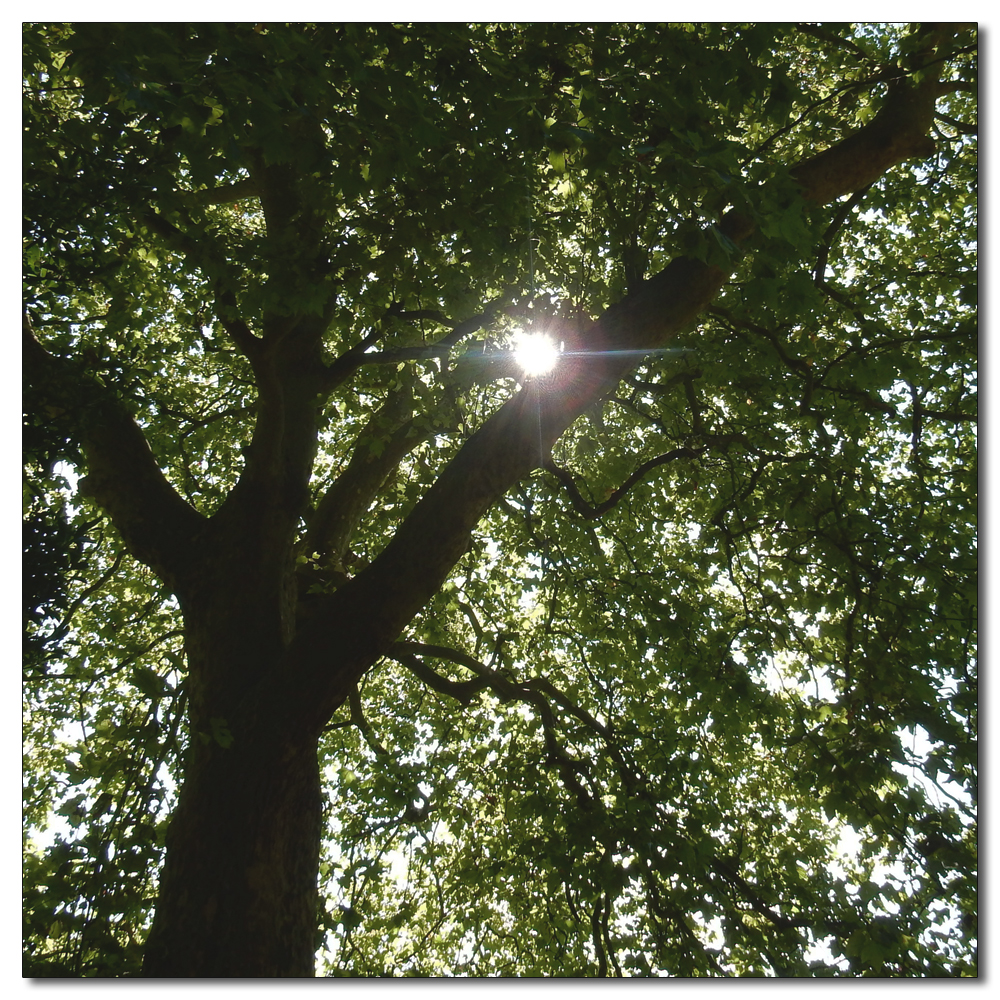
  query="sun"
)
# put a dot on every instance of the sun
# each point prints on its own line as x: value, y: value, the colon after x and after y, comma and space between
x: 535, y: 353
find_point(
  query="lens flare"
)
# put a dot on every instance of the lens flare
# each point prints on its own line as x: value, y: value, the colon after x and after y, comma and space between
x: 535, y: 353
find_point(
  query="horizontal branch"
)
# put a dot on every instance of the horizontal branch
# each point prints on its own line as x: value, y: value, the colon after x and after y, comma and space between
x: 341, y: 369
x: 225, y: 194
x: 964, y: 127
x: 535, y: 691
x: 506, y: 690
x: 461, y: 691
x: 395, y: 355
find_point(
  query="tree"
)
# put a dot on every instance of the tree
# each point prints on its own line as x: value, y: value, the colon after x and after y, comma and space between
x: 347, y: 636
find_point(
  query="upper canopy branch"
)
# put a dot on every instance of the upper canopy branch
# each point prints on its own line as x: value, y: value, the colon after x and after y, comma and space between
x: 225, y: 194
x: 519, y: 436
x: 900, y: 131
x: 338, y: 371
x: 203, y: 255
x: 593, y: 513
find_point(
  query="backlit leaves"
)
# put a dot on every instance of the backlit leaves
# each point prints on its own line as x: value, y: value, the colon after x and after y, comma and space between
x: 726, y: 728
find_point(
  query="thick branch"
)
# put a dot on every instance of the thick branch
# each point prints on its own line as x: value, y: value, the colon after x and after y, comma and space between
x: 898, y: 132
x: 157, y: 524
x: 355, y: 626
x: 386, y: 439
x: 274, y: 484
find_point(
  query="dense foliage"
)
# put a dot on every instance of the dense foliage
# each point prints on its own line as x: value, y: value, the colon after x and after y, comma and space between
x: 700, y: 697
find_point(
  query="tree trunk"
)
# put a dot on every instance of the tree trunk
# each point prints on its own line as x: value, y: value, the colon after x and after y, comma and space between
x: 238, y: 893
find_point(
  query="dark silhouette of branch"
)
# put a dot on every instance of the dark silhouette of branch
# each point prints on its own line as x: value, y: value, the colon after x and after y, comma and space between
x: 593, y: 513
x: 843, y: 213
x: 225, y: 194
x: 341, y: 369
x: 157, y: 525
x: 964, y: 127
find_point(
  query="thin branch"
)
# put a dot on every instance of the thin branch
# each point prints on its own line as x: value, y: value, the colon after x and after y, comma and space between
x: 198, y: 252
x: 358, y: 719
x: 461, y: 691
x: 754, y: 898
x: 595, y: 927
x: 955, y: 86
x: 964, y: 127
x: 225, y: 194
x: 952, y: 416
x: 607, y: 935
x: 84, y: 594
x: 357, y: 356
x: 835, y: 226
x: 397, y: 354
x: 793, y: 363
x: 506, y: 690
x: 195, y: 422
x: 246, y: 341
x: 530, y: 691
x: 817, y: 31
x: 456, y: 656
x: 593, y: 513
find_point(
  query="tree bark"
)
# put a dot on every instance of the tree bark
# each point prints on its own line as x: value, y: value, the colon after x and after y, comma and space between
x: 238, y: 897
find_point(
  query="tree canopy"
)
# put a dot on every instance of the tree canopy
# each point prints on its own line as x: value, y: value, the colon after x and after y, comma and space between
x: 658, y: 663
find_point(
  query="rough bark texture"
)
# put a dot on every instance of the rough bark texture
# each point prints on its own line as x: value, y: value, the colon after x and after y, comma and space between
x: 238, y: 890
x: 243, y: 848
